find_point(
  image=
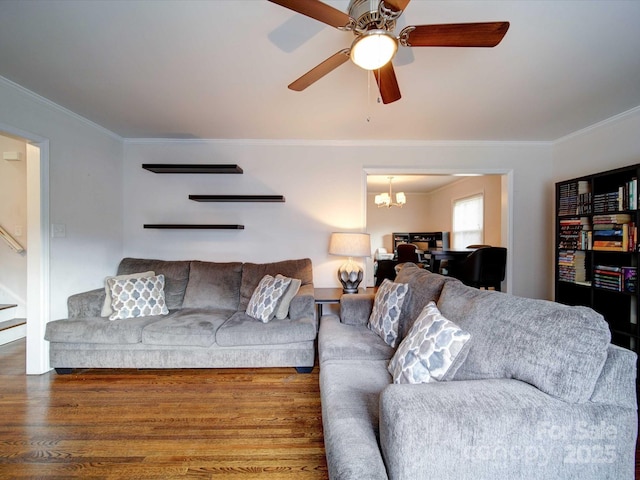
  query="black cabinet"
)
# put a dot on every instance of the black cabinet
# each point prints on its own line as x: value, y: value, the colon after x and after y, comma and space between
x: 596, y: 251
x: 423, y: 240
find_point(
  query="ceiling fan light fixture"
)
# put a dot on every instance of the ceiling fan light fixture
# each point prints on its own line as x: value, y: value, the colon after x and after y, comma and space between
x: 373, y: 49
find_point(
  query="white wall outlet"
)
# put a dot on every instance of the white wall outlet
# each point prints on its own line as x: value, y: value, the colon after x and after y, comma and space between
x: 58, y: 230
x: 17, y: 231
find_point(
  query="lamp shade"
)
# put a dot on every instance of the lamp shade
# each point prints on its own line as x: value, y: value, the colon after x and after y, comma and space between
x: 350, y: 244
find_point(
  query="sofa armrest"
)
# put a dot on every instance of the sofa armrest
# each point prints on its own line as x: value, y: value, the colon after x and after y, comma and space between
x: 86, y: 304
x: 502, y: 428
x: 303, y: 304
x: 355, y: 309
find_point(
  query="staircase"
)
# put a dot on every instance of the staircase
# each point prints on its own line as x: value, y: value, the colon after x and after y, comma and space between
x: 11, y: 328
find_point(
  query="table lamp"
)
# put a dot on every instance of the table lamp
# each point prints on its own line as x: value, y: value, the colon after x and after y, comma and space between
x: 350, y: 245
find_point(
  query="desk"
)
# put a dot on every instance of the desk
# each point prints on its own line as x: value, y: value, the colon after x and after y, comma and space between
x: 439, y: 254
x: 328, y: 296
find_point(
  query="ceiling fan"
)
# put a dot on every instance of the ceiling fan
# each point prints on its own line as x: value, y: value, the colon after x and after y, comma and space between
x: 372, y: 22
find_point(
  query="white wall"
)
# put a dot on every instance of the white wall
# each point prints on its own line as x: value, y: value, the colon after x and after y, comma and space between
x: 13, y: 218
x: 324, y: 186
x: 85, y: 185
x: 440, y: 211
x: 382, y: 222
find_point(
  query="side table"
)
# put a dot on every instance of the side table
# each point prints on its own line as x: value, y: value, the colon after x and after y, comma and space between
x: 328, y: 296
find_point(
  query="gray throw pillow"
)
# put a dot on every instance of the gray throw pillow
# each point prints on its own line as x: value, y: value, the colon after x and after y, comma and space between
x: 282, y: 310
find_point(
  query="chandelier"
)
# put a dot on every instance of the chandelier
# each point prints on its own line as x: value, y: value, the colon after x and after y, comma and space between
x: 386, y: 199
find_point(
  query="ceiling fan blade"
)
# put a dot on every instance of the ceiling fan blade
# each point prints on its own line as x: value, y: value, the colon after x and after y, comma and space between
x: 397, y: 5
x: 318, y: 10
x: 320, y: 71
x: 487, y: 34
x: 387, y: 83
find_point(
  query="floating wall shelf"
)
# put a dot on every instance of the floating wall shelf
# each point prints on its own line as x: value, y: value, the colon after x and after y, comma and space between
x: 237, y: 198
x: 182, y: 226
x: 192, y: 168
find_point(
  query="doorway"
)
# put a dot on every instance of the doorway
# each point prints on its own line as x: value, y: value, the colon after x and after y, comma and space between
x: 37, y: 293
x: 432, y: 194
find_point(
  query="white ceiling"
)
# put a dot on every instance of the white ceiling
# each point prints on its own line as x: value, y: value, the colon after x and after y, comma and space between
x: 219, y: 69
x: 408, y: 183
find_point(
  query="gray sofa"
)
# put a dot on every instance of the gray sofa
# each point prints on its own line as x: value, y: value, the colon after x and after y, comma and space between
x: 206, y: 326
x: 541, y: 394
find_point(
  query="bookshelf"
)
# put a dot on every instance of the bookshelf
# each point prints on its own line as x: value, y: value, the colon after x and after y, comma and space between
x: 597, y: 249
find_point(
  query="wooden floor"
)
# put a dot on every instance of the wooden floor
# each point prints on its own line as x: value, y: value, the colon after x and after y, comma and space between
x: 114, y: 424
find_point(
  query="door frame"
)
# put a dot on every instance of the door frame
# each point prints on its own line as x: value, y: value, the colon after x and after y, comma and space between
x: 38, y: 249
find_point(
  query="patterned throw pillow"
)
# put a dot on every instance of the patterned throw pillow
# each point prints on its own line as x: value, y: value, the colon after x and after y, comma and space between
x: 385, y: 316
x: 137, y: 297
x: 106, y: 306
x: 264, y: 300
x: 429, y: 349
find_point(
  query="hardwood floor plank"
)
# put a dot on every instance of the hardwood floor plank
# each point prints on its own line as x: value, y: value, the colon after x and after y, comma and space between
x: 115, y: 424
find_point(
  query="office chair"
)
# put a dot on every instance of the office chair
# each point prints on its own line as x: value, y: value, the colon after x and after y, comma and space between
x: 407, y: 253
x: 477, y: 246
x: 483, y: 268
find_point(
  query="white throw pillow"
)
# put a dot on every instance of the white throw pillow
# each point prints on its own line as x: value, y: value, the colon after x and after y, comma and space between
x: 137, y: 297
x: 265, y: 297
x: 385, y: 316
x: 106, y: 306
x: 282, y: 310
x: 430, y: 349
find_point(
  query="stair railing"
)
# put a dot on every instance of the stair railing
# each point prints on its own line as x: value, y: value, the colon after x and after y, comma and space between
x: 10, y: 241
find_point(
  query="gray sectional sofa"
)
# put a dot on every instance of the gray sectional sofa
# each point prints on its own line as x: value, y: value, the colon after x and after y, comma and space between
x: 206, y: 327
x: 541, y: 393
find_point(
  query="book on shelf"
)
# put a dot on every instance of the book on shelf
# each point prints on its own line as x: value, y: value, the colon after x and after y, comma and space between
x: 574, y: 198
x: 624, y: 198
x: 574, y: 233
x: 620, y: 237
x: 615, y: 278
x: 572, y: 266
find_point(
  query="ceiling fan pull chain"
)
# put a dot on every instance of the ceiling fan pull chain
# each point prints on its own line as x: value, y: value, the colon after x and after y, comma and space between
x: 368, y: 97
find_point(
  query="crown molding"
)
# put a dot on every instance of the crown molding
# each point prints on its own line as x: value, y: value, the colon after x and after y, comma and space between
x: 596, y: 126
x: 337, y: 143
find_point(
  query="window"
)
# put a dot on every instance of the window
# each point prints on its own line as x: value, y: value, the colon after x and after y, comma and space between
x: 468, y: 221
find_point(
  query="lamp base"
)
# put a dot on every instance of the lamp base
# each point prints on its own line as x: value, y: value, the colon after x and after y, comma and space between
x: 350, y: 275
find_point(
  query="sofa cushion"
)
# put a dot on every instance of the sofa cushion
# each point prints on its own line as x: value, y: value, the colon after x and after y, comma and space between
x: 350, y: 393
x: 137, y: 297
x: 433, y: 349
x: 559, y: 349
x: 424, y: 286
x: 337, y: 341
x: 188, y: 327
x: 98, y: 330
x: 265, y: 298
x: 213, y: 285
x: 282, y: 310
x: 176, y: 276
x: 252, y: 273
x: 241, y: 329
x: 385, y: 315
